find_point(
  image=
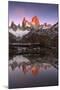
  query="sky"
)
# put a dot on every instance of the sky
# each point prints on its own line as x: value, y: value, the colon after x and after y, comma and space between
x: 46, y: 13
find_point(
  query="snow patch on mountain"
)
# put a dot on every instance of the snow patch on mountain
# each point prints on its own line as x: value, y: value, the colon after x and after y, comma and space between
x: 18, y: 32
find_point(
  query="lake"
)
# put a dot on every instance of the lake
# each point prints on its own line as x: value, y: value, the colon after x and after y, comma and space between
x: 32, y: 71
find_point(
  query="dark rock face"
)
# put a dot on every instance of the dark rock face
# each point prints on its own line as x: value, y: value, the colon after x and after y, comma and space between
x: 44, y: 40
x: 54, y: 41
x: 18, y: 26
x: 13, y: 26
x: 54, y: 27
x: 12, y: 38
x: 23, y: 22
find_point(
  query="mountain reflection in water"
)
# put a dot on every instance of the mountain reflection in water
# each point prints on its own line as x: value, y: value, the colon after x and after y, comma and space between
x: 28, y: 71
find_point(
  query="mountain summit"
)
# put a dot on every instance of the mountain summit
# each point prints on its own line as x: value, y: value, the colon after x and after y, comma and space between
x: 35, y: 21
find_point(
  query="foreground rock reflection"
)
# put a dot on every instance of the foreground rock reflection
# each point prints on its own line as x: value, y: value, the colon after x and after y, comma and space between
x: 27, y: 66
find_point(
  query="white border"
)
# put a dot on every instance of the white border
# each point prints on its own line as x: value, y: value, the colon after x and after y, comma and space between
x: 4, y: 44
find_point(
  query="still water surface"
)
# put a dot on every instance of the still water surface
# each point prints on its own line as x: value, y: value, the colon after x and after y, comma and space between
x: 27, y: 71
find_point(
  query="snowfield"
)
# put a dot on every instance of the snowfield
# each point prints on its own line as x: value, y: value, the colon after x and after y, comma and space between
x: 18, y: 32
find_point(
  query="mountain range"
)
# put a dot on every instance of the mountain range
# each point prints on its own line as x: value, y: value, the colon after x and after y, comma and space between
x: 39, y: 35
